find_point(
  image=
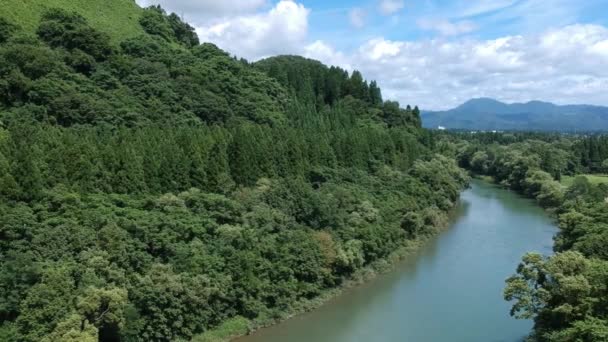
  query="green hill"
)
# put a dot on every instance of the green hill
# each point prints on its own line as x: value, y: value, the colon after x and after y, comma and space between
x: 489, y: 114
x: 118, y: 18
x: 73, y: 73
x: 156, y: 189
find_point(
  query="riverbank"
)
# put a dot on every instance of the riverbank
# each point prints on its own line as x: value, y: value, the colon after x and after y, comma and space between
x: 238, y: 327
x: 442, y: 292
x: 550, y: 206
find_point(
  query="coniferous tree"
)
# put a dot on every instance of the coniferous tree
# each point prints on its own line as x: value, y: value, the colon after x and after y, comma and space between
x: 218, y: 169
x: 27, y: 174
x: 8, y: 186
x: 375, y: 94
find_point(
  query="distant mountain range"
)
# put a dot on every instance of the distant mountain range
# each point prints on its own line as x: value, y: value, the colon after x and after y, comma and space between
x: 489, y: 114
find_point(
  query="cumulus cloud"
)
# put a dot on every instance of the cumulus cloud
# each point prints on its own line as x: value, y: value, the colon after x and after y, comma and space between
x: 389, y: 7
x: 566, y: 65
x: 357, y: 17
x: 447, y: 28
x: 200, y: 10
x: 322, y: 51
x: 281, y: 30
x: 381, y: 49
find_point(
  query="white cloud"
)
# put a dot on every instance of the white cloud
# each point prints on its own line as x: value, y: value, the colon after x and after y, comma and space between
x: 447, y: 28
x: 565, y: 65
x: 321, y: 51
x: 479, y: 7
x: 388, y: 7
x: 198, y: 10
x: 281, y: 30
x: 379, y: 48
x: 600, y: 48
x: 357, y: 17
x: 530, y: 16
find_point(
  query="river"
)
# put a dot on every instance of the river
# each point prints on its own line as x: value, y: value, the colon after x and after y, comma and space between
x: 451, y: 291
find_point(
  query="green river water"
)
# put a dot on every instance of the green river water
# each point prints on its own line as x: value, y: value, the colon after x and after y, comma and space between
x: 451, y: 291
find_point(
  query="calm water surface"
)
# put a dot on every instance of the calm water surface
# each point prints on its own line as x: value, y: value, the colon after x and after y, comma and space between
x: 450, y: 292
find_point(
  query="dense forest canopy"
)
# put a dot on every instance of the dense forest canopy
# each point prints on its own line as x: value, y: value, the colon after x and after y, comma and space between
x: 154, y: 188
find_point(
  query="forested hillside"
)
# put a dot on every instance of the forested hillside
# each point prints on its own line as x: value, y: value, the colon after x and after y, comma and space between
x: 157, y: 189
x: 317, y: 85
x: 567, y: 294
x: 489, y: 114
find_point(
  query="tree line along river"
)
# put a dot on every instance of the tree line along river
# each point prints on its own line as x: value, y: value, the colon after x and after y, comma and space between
x: 451, y: 291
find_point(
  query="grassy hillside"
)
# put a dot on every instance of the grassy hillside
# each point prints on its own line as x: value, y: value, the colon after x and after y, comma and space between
x: 118, y: 18
x: 567, y: 181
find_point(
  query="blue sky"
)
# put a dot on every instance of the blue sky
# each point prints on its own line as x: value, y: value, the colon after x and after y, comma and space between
x: 433, y: 53
x: 489, y: 19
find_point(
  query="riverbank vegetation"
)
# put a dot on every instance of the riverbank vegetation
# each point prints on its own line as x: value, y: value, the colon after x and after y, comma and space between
x: 156, y: 189
x: 567, y: 294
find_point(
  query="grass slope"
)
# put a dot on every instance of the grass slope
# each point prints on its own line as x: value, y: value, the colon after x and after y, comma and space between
x: 593, y: 179
x: 118, y: 18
